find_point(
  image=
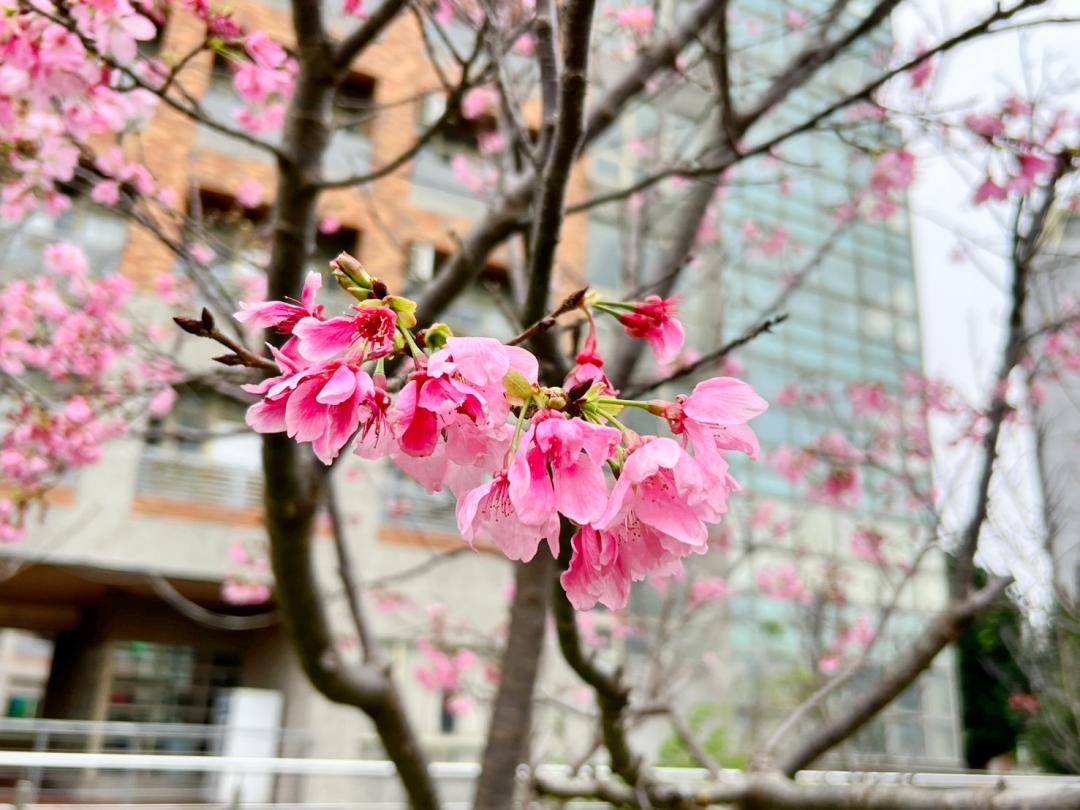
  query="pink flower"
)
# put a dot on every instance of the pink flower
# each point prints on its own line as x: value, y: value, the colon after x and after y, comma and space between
x: 442, y: 672
x: 249, y: 194
x: 202, y: 253
x: 986, y: 126
x: 989, y: 190
x: 1032, y: 167
x: 893, y: 171
x: 777, y: 243
x: 713, y: 418
x: 869, y: 545
x: 264, y: 51
x: 921, y: 74
x: 161, y: 404
x: 468, y: 176
x: 453, y: 411
x: 245, y: 593
x: 596, y: 573
x: 281, y: 314
x: 638, y: 20
x: 366, y: 335
x: 783, y: 582
x: 654, y: 320
x: 559, y: 466
x: 589, y: 366
x: 323, y: 405
x: 709, y: 591
x: 354, y: 8
x: 794, y: 19
x: 486, y: 513
x: 106, y: 193
x: 662, y: 489
x: 329, y: 225
x: 478, y: 102
x: 866, y: 397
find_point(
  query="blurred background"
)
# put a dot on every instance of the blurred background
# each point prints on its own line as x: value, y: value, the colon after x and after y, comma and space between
x: 138, y: 614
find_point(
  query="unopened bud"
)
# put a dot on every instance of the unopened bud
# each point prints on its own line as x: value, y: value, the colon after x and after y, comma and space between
x: 518, y: 388
x: 349, y: 267
x: 436, y: 336
x: 657, y: 407
x: 405, y: 309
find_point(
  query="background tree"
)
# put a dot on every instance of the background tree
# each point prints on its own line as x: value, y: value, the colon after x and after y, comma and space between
x: 74, y: 85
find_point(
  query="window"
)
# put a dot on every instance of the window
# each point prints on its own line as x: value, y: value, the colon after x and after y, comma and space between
x: 100, y: 232
x: 480, y: 311
x: 166, y: 683
x: 447, y: 719
x: 221, y: 103
x: 454, y: 150
x: 354, y: 105
x: 354, y: 117
x: 236, y: 236
x: 181, y: 463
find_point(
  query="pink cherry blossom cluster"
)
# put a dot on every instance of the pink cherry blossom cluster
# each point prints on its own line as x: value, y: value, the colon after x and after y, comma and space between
x: 248, y: 583
x: 265, y: 81
x: 59, y: 88
x: 893, y: 426
x: 850, y: 642
x: 523, y: 459
x: 637, y: 20
x: 891, y: 175
x: 69, y: 373
x: 1024, y: 142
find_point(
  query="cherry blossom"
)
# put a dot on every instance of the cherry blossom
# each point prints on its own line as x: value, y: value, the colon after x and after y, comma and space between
x: 653, y: 320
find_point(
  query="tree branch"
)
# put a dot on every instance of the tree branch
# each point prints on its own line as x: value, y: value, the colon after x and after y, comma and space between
x: 548, y: 216
x: 858, y: 711
x: 354, y: 44
x: 369, y: 644
x: 759, y: 328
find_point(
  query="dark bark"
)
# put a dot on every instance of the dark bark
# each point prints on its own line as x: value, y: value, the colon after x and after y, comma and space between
x: 511, y: 718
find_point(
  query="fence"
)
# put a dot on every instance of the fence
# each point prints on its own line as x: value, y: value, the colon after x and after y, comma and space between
x: 38, y: 777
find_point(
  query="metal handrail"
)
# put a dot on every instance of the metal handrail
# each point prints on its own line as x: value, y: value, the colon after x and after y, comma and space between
x: 469, y: 770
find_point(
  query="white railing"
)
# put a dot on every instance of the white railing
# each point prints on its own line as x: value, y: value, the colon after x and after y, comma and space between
x: 168, y: 474
x: 62, y: 762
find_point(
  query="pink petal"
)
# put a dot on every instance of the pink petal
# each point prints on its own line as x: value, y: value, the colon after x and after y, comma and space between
x: 319, y: 341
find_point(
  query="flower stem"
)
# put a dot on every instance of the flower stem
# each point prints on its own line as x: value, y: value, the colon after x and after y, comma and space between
x: 626, y: 403
x: 413, y: 348
x: 519, y: 427
x: 622, y: 428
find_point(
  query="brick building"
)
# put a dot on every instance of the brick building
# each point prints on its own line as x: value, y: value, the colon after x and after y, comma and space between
x: 131, y: 545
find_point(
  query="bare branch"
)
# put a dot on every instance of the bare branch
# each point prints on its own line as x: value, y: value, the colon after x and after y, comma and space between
x: 205, y: 326
x: 944, y: 630
x: 567, y: 138
x: 569, y: 304
x: 759, y: 328
x: 209, y: 618
x: 355, y: 43
x: 774, y: 791
x: 369, y: 644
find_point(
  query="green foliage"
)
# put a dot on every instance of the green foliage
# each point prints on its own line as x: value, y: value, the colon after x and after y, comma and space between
x: 989, y: 674
x: 1053, y: 732
x: 707, y: 722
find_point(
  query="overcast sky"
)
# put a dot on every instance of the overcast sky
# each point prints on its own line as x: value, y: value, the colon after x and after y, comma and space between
x: 961, y: 298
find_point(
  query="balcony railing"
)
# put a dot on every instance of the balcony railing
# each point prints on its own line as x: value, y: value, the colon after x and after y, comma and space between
x: 174, y: 475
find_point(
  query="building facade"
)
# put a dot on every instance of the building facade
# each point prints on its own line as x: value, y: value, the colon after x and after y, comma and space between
x: 132, y: 548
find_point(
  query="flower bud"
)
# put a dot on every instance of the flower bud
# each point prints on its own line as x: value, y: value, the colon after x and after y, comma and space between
x: 349, y: 267
x: 436, y: 336
x: 518, y: 388
x: 405, y: 309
